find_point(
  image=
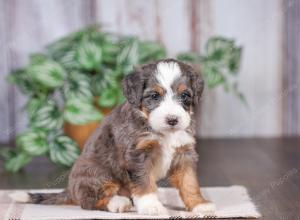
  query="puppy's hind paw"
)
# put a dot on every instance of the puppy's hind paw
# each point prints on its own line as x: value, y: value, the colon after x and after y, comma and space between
x: 205, y: 209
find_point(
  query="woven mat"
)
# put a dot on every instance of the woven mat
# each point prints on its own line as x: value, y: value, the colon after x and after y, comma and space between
x: 231, y: 202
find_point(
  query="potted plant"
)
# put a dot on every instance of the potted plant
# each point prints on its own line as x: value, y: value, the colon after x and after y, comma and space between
x: 76, y: 81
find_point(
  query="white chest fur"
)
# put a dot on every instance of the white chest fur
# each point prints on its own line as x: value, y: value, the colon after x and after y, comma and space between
x: 169, y: 142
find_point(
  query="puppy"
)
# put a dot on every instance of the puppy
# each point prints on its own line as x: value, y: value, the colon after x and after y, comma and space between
x: 149, y: 137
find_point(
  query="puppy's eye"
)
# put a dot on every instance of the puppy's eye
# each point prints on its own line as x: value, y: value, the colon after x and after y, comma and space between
x: 185, y: 96
x: 155, y: 96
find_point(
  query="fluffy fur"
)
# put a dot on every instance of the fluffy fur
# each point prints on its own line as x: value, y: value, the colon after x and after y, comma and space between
x: 149, y: 204
x: 149, y: 137
x: 20, y: 197
x: 119, y: 204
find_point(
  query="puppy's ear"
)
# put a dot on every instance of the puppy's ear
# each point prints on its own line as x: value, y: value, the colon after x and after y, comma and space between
x: 198, y: 86
x: 133, y: 87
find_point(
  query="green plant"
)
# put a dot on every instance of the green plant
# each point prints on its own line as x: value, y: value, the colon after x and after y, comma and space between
x: 220, y: 64
x: 71, y: 76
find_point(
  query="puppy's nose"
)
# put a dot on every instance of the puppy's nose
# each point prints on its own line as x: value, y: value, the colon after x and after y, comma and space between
x: 172, y: 120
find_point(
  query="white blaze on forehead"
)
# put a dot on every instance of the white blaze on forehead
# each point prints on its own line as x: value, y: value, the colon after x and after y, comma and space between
x: 167, y: 73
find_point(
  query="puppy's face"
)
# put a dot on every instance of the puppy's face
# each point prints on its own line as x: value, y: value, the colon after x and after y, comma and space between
x: 165, y: 93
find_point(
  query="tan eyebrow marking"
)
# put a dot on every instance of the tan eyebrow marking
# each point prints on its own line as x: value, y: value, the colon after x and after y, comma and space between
x: 159, y: 89
x: 181, y: 88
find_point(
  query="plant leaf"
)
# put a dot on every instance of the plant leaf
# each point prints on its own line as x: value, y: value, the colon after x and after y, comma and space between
x: 129, y: 56
x: 6, y: 152
x: 78, y: 86
x: 45, y: 115
x: 69, y: 60
x: 121, y: 97
x: 189, y: 57
x: 17, y: 162
x: 102, y: 81
x: 110, y: 50
x: 235, y: 60
x: 149, y: 51
x: 23, y: 81
x: 89, y: 55
x: 221, y: 63
x: 80, y: 112
x: 33, y: 142
x: 212, y: 76
x: 108, y: 98
x: 37, y: 58
x: 64, y: 151
x: 33, y: 105
x: 49, y: 74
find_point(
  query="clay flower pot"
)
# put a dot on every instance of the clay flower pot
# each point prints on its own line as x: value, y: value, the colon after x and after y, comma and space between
x: 81, y: 133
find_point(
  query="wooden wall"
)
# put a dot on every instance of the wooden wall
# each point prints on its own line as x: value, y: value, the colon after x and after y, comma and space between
x: 268, y: 30
x: 291, y: 68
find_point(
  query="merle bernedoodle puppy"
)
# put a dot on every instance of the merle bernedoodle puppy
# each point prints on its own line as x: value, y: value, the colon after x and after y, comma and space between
x: 149, y: 137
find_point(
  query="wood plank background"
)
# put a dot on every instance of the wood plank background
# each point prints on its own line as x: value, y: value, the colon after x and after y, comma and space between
x: 268, y: 30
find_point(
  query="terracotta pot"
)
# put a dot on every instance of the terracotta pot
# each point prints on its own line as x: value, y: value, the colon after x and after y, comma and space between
x: 80, y: 133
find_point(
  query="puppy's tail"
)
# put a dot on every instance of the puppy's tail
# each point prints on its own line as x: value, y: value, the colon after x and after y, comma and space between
x: 61, y: 198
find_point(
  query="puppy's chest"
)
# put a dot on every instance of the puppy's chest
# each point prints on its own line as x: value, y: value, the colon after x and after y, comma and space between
x: 169, y: 143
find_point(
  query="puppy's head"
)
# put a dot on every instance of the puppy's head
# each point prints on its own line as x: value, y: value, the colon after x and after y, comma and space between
x: 165, y: 92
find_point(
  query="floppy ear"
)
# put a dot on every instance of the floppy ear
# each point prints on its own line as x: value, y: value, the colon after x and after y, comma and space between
x: 198, y: 86
x: 133, y: 87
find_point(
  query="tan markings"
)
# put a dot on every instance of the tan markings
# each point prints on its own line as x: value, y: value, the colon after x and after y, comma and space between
x: 159, y: 89
x: 181, y: 88
x: 145, y: 111
x: 110, y: 188
x: 108, y: 191
x: 183, y: 176
x: 147, y: 144
x: 71, y: 202
x: 102, y: 203
x: 186, y: 181
x: 146, y: 182
x: 183, y: 149
x: 139, y: 190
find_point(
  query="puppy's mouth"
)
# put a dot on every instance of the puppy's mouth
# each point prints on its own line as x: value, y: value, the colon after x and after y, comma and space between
x: 173, y: 128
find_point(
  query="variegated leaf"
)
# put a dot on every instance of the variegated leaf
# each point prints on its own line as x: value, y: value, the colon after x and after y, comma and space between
x: 80, y: 112
x: 34, y: 142
x: 89, y: 55
x: 47, y: 116
x: 64, y: 151
x: 49, y: 74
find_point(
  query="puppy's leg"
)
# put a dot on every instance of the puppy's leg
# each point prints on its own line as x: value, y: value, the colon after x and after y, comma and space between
x: 104, y: 199
x: 144, y: 194
x: 111, y: 200
x: 143, y: 186
x: 87, y: 197
x: 183, y: 176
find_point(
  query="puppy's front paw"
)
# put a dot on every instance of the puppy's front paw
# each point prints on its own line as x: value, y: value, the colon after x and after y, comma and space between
x: 149, y: 205
x: 205, y: 209
x: 155, y: 208
x: 119, y: 204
